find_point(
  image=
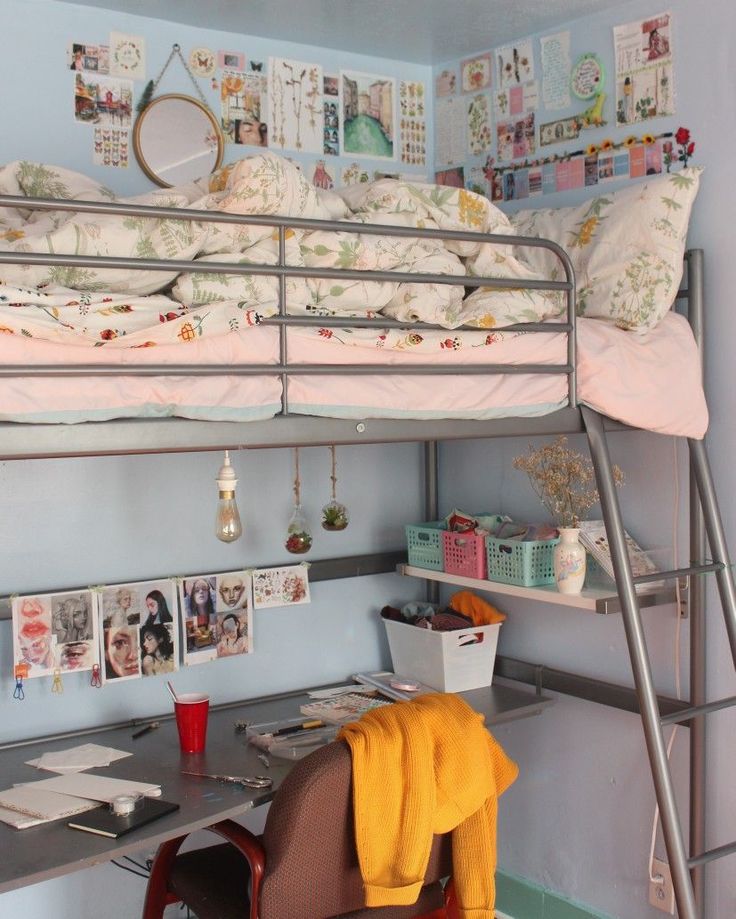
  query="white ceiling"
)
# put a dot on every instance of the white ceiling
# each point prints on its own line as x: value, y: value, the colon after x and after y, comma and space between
x: 421, y: 31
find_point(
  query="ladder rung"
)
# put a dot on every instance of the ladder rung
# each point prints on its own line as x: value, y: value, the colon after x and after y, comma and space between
x: 686, y: 714
x: 712, y: 854
x: 679, y: 573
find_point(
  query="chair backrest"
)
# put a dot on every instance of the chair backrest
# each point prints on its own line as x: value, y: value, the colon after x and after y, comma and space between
x: 311, y: 863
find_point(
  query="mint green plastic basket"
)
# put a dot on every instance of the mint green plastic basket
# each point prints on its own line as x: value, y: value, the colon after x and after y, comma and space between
x: 424, y: 544
x: 513, y: 561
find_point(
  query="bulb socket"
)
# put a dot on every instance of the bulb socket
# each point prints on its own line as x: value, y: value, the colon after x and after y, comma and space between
x: 227, y: 495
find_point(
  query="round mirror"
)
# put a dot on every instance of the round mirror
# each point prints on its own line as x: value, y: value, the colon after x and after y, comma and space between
x: 176, y: 139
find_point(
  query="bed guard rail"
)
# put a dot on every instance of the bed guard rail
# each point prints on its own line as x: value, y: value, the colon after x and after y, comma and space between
x: 282, y: 270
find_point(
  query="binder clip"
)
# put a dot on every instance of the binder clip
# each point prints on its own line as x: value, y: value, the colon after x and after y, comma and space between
x: 21, y: 673
x: 57, y: 686
x: 95, y: 679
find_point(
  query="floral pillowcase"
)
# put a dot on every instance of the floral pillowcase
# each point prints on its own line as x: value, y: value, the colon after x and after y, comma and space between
x: 627, y: 247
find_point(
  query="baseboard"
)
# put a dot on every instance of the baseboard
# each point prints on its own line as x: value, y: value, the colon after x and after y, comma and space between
x: 518, y: 898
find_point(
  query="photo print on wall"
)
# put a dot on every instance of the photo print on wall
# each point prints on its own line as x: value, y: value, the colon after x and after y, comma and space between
x: 368, y: 116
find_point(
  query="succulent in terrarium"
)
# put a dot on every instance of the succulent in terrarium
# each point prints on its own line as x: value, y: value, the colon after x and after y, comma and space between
x: 298, y: 537
x: 335, y: 516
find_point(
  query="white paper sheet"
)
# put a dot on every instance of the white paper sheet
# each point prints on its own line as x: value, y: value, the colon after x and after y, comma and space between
x: 45, y: 804
x: 96, y: 787
x: 77, y: 759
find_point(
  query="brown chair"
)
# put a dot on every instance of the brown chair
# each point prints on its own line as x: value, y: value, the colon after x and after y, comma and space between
x: 304, y: 866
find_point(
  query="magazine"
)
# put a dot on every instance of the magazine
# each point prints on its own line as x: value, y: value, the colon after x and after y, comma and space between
x: 348, y: 706
x: 593, y: 537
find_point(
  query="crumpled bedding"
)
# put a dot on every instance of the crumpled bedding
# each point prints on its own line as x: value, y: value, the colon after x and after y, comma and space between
x: 102, y: 305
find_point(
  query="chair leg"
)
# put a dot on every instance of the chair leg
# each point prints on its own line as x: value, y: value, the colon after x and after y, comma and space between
x: 158, y: 895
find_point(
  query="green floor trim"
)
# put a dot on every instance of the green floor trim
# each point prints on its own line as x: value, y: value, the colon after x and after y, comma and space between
x: 523, y: 899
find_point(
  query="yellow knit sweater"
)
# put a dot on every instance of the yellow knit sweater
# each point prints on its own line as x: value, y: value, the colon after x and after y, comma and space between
x: 419, y: 768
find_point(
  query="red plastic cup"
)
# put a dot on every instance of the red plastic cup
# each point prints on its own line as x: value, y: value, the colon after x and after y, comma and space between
x: 191, y: 710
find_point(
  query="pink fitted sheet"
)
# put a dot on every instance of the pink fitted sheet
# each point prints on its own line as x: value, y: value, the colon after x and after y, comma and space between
x: 649, y: 381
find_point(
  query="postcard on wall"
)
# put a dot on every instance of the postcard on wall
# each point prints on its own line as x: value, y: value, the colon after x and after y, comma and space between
x: 111, y: 147
x: 331, y: 105
x: 322, y: 175
x: 445, y: 83
x: 556, y: 67
x: 197, y: 605
x: 138, y: 629
x: 127, y: 56
x: 243, y: 105
x: 476, y: 181
x: 475, y: 73
x: 454, y: 178
x: 202, y: 61
x: 287, y: 586
x: 478, y: 125
x: 354, y: 174
x: 411, y: 99
x: 644, y: 71
x: 107, y: 101
x: 557, y: 132
x: 516, y: 100
x: 296, y: 119
x: 368, y: 117
x: 516, y: 139
x: 95, y: 58
x: 413, y: 141
x: 450, y: 129
x: 231, y: 60
x: 55, y: 632
x: 515, y: 64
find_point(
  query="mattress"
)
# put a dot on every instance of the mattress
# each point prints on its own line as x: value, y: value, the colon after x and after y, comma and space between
x: 650, y: 381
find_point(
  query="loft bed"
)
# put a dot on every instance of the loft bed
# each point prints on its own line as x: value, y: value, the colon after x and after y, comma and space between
x: 117, y: 346
x: 280, y: 361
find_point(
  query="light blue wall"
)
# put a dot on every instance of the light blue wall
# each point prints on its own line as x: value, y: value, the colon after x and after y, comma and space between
x: 38, y: 86
x: 579, y: 818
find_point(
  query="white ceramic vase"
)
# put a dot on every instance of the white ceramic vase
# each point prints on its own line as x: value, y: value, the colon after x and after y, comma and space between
x: 569, y: 562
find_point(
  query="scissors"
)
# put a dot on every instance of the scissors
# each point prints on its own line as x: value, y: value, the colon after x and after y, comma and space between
x: 249, y: 781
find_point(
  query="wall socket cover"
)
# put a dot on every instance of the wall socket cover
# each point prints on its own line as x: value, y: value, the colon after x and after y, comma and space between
x: 662, y: 896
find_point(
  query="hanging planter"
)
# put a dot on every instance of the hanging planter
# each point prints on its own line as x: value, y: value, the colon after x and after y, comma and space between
x: 335, y: 515
x: 298, y: 535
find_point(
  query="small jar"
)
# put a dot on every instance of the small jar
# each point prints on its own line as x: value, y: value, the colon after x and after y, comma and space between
x: 335, y: 516
x: 298, y: 536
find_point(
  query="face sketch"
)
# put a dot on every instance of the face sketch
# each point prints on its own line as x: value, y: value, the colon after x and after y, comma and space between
x: 125, y: 599
x: 200, y: 593
x: 80, y: 615
x: 122, y: 651
x: 150, y: 643
x: 34, y: 641
x: 231, y: 590
x: 152, y: 606
x: 74, y: 655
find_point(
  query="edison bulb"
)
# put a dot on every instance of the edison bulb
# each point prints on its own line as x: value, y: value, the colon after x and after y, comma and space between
x: 227, y: 520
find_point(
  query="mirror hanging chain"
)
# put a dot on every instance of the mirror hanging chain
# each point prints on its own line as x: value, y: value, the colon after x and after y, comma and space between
x: 153, y: 84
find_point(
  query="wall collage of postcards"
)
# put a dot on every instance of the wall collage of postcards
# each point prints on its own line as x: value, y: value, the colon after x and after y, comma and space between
x: 510, y: 124
x: 122, y: 632
x: 377, y: 123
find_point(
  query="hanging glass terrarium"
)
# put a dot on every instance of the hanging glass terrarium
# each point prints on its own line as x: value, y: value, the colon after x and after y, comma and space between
x: 335, y: 515
x: 298, y: 535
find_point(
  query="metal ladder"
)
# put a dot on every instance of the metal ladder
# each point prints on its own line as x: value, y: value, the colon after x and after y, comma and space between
x: 687, y: 870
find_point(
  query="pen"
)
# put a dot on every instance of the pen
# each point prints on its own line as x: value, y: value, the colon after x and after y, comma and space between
x: 149, y: 727
x: 294, y: 728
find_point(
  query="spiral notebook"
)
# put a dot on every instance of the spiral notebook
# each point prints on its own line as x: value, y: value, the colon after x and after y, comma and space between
x: 103, y: 822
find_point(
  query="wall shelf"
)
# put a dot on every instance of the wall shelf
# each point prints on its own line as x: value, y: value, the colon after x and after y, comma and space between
x: 592, y: 599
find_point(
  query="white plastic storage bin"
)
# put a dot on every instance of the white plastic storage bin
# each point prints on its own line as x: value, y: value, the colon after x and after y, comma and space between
x: 446, y: 661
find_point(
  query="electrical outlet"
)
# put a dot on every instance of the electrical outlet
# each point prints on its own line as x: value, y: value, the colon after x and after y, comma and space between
x: 662, y: 895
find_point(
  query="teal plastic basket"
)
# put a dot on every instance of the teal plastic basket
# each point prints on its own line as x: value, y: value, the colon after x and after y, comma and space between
x: 424, y: 544
x: 513, y: 561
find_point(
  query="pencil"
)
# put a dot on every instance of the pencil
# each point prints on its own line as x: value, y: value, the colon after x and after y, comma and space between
x: 294, y: 728
x: 149, y: 727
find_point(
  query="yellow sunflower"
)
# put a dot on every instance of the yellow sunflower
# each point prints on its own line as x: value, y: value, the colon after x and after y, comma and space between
x: 648, y: 139
x: 630, y: 141
x: 591, y: 149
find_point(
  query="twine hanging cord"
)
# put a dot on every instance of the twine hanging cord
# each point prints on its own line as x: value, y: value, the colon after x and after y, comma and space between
x: 297, y: 480
x: 333, y: 477
x: 153, y: 85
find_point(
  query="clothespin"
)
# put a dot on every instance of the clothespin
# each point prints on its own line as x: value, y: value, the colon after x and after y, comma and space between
x: 57, y: 686
x: 21, y: 673
x: 96, y: 679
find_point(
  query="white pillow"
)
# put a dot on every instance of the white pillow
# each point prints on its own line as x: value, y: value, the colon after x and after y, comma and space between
x: 626, y: 246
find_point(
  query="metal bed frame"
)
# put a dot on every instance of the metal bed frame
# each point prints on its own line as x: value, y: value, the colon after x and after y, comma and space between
x: 24, y: 441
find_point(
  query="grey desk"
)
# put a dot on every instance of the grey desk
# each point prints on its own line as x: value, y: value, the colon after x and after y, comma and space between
x: 52, y: 850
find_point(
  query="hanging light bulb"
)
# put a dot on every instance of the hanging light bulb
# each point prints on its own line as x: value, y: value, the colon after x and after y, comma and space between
x: 227, y: 522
